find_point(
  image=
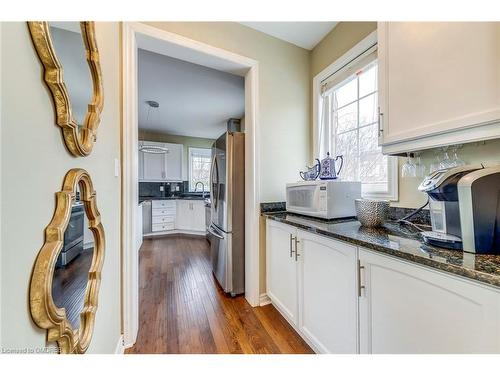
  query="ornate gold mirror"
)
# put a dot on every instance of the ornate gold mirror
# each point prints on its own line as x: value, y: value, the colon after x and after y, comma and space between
x: 67, y: 272
x: 68, y: 52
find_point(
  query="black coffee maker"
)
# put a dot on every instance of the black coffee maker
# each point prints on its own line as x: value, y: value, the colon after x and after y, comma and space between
x: 465, y: 208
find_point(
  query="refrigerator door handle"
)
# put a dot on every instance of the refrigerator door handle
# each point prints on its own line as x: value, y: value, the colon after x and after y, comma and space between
x: 214, y: 191
x: 213, y: 232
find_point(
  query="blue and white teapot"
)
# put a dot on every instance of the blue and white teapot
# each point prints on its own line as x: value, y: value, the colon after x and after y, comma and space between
x: 328, y: 171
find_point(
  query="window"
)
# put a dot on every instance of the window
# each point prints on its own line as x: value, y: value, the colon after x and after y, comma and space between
x: 348, y: 126
x: 200, y: 161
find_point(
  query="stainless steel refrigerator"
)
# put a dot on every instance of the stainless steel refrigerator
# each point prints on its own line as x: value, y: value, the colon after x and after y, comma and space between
x: 227, y: 227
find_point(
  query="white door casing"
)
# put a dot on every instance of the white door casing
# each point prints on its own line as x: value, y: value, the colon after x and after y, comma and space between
x: 137, y: 34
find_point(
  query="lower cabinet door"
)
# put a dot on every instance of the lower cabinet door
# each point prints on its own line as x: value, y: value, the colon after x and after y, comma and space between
x: 198, y: 215
x: 282, y: 269
x: 328, y: 295
x: 183, y: 215
x: 406, y: 308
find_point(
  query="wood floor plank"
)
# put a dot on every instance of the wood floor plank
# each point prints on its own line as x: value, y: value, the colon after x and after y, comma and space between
x: 183, y: 309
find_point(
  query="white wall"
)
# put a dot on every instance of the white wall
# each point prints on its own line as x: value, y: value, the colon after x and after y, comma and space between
x: 283, y: 96
x: 33, y: 164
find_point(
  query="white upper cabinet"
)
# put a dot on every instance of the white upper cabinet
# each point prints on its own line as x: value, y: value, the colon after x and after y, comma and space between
x: 153, y: 162
x: 405, y: 308
x: 160, y: 161
x: 439, y: 83
x: 174, y: 161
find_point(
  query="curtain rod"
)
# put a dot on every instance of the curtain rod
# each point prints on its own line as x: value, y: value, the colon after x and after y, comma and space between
x: 347, y: 63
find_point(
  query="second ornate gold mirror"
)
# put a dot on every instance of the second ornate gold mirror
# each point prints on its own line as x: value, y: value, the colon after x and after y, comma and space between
x: 67, y: 272
x: 72, y: 72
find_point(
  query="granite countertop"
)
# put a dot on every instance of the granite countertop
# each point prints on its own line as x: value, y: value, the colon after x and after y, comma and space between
x: 402, y: 242
x: 187, y: 197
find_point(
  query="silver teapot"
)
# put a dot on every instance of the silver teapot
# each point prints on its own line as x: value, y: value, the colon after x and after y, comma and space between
x: 328, y: 170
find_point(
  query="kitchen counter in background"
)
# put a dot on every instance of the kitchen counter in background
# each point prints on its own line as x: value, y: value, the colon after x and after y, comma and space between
x: 401, y: 242
x: 187, y: 197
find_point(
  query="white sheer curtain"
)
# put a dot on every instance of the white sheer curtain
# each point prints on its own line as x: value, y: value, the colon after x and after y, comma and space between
x: 324, y: 128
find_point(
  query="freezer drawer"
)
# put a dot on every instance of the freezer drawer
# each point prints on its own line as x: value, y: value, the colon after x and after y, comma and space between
x: 228, y: 263
x: 219, y: 252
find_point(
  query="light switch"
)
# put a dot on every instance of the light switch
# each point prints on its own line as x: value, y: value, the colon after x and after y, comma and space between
x: 117, y: 167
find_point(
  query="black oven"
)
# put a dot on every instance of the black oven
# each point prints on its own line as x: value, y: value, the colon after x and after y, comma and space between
x: 73, y: 236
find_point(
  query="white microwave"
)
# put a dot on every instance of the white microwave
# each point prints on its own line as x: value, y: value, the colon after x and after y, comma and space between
x: 327, y: 199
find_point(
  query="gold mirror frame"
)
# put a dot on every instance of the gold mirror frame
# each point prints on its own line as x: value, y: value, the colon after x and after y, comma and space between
x: 44, y: 311
x: 78, y: 141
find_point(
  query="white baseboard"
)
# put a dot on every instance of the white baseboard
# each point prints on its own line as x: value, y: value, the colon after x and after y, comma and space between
x: 120, y: 348
x: 264, y: 299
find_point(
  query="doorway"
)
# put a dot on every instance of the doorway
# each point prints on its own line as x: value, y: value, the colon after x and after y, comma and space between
x: 138, y: 35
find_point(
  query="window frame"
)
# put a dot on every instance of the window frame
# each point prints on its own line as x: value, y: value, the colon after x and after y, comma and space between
x: 193, y: 151
x: 392, y: 162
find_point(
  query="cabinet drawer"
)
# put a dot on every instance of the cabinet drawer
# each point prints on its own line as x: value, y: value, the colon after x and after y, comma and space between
x: 163, y: 227
x: 163, y: 204
x: 163, y: 212
x: 163, y: 219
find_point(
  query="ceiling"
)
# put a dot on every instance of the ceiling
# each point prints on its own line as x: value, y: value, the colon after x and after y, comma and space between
x: 302, y: 34
x: 194, y: 100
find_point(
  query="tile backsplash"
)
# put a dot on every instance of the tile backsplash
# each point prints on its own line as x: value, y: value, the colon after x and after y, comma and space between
x: 154, y: 189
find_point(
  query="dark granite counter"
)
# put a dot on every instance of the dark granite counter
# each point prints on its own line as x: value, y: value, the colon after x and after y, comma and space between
x: 401, y: 242
x: 187, y: 197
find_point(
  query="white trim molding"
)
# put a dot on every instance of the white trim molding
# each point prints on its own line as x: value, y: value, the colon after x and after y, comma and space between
x: 120, y: 348
x: 362, y: 47
x: 264, y: 300
x: 355, y: 51
x: 141, y: 35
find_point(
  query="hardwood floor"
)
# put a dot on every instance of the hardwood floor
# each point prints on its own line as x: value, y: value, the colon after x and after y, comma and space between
x: 183, y: 310
x: 69, y: 285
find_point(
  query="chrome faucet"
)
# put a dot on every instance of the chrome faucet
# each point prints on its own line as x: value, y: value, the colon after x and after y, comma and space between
x: 202, y: 188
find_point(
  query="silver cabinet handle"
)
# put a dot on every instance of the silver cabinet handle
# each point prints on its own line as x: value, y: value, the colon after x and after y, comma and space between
x: 380, y: 123
x: 360, y: 286
x: 292, y: 238
x: 296, y: 249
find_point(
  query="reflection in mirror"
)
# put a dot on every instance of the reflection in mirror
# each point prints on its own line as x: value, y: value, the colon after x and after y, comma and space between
x: 73, y: 264
x: 70, y: 50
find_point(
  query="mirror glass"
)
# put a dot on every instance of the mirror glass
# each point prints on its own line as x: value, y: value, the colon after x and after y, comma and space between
x: 71, y: 53
x: 73, y: 264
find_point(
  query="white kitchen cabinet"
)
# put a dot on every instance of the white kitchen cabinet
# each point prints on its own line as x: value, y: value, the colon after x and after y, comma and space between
x: 160, y: 161
x: 174, y: 162
x: 438, y: 83
x: 163, y: 215
x: 282, y: 273
x: 406, y: 308
x: 152, y: 164
x: 328, y: 298
x: 191, y: 215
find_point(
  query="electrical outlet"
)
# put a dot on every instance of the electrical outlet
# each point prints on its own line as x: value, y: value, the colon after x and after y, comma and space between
x: 177, y: 188
x: 162, y: 188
